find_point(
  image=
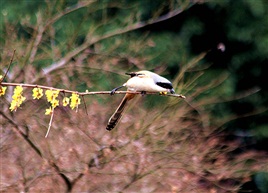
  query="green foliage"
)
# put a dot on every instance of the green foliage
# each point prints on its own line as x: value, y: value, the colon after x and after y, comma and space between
x: 249, y: 26
x: 261, y: 131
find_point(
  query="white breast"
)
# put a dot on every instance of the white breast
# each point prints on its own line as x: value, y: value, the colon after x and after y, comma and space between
x: 143, y: 84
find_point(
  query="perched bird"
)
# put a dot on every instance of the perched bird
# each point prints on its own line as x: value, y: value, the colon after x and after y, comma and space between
x: 142, y: 81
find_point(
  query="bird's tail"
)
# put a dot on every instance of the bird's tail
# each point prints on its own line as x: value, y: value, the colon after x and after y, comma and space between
x: 118, y: 112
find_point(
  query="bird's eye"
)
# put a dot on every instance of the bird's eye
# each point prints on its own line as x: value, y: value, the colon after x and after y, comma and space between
x: 132, y: 74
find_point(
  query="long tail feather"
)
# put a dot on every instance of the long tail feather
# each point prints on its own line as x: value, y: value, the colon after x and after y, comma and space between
x: 118, y: 112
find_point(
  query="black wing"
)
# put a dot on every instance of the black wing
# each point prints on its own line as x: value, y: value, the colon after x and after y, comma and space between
x: 165, y: 85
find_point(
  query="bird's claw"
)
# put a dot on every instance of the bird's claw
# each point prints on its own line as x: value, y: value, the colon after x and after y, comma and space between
x: 113, y: 91
x: 162, y: 93
x: 143, y: 93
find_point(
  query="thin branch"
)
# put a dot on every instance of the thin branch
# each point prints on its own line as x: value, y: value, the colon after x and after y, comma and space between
x: 41, y: 29
x: 92, y: 41
x: 23, y: 135
x: 8, y: 66
x: 216, y: 100
x: 86, y: 93
x: 38, y: 39
x: 137, y: 177
x: 84, y: 104
x: 50, y: 123
x: 139, y: 25
x: 62, y: 175
x: 66, y: 11
x: 230, y: 118
x: 38, y: 151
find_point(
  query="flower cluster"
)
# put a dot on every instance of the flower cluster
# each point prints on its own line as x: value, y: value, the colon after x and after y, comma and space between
x: 49, y: 111
x: 17, y: 98
x: 52, y: 96
x: 75, y: 100
x: 37, y: 93
x: 65, y: 101
x: 2, y: 90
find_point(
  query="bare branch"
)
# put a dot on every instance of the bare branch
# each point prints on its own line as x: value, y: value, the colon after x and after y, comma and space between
x: 88, y: 43
x: 86, y: 93
x: 68, y: 10
x: 85, y: 104
x: 50, y: 123
x: 22, y: 134
x: 8, y: 66
x: 62, y: 175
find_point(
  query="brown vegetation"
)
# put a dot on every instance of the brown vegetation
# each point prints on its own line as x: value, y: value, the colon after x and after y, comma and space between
x: 175, y: 145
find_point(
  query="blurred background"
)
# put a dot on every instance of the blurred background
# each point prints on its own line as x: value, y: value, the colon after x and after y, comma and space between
x: 214, y: 52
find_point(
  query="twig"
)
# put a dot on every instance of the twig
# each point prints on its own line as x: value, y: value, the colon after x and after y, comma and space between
x: 92, y: 41
x: 17, y: 129
x: 41, y: 29
x: 84, y: 104
x: 50, y: 123
x: 8, y: 66
x: 62, y: 175
x: 85, y: 93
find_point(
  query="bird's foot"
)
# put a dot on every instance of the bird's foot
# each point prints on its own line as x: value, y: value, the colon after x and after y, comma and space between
x: 143, y: 93
x: 162, y: 93
x: 115, y: 89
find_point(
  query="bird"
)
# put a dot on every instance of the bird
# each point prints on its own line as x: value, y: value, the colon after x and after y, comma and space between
x: 141, y: 81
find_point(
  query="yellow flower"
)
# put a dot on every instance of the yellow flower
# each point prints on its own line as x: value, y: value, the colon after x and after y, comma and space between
x: 75, y: 100
x: 52, y: 99
x: 65, y: 101
x: 17, y: 98
x: 49, y: 111
x: 55, y: 93
x: 2, y: 90
x: 48, y: 94
x: 52, y: 94
x: 18, y: 90
x: 54, y: 103
x: 37, y: 93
